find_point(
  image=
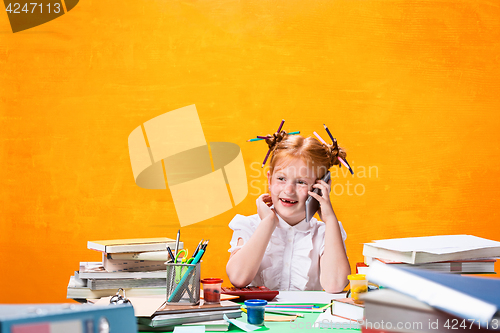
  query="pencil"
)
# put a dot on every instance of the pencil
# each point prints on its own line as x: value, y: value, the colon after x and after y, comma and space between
x: 345, y: 164
x: 319, y: 138
x: 349, y: 167
x: 260, y: 138
x: 330, y: 134
x: 284, y: 313
x: 269, y: 150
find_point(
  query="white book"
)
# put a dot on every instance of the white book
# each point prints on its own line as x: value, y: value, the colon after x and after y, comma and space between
x: 100, y: 284
x: 133, y: 245
x: 95, y: 270
x: 150, y: 256
x: 417, y: 250
x: 129, y: 265
x: 76, y: 292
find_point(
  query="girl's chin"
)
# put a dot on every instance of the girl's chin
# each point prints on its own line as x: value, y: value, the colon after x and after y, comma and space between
x: 289, y: 216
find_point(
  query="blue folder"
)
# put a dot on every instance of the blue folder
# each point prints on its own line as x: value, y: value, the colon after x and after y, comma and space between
x: 64, y: 318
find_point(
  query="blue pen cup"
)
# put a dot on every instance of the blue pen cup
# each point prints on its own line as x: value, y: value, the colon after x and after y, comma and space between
x: 256, y: 309
x: 183, y: 284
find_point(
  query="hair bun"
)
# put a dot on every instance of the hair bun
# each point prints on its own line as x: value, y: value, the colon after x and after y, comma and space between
x: 275, y: 139
x: 335, y: 151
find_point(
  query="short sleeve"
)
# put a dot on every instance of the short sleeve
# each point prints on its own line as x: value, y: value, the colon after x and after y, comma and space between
x: 342, y: 232
x: 243, y: 227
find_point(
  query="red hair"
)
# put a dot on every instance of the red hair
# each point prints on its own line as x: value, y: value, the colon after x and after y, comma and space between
x: 311, y: 151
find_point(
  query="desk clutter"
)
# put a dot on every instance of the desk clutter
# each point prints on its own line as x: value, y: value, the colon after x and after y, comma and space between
x: 409, y: 280
x: 426, y: 285
x: 159, y: 278
x: 136, y: 265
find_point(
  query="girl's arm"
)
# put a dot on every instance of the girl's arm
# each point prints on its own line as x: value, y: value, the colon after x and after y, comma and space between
x: 244, y: 263
x: 334, y: 265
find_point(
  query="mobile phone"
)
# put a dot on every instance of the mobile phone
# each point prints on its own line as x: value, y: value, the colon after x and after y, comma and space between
x: 312, y: 205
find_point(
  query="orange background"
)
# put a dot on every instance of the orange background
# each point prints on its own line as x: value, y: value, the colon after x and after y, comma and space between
x: 410, y: 88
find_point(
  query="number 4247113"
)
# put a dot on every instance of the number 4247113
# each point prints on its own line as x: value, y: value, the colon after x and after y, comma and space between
x: 33, y: 8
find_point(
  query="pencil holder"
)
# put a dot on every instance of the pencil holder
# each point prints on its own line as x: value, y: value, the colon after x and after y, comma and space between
x: 183, y: 284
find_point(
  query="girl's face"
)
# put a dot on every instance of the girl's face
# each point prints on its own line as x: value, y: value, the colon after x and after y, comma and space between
x: 289, y: 185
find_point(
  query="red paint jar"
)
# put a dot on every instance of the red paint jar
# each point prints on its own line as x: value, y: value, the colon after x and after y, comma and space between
x: 211, y: 290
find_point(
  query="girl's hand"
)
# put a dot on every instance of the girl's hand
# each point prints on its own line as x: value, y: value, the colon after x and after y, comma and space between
x: 325, y: 210
x: 264, y: 202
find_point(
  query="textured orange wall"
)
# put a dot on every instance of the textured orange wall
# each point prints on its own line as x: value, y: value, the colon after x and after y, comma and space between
x: 410, y: 88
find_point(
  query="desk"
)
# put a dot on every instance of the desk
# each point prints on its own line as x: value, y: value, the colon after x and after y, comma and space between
x: 301, y: 324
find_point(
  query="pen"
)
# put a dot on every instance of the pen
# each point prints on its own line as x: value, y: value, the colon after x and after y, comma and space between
x: 204, y: 247
x: 170, y: 254
x: 177, y: 243
x: 197, y: 248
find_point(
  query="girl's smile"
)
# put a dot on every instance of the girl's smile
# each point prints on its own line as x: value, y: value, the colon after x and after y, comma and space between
x: 289, y: 185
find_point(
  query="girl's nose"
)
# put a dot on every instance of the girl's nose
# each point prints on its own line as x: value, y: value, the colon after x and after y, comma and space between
x: 290, y: 188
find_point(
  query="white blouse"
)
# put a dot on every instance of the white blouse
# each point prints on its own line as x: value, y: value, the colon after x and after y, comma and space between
x: 292, y: 257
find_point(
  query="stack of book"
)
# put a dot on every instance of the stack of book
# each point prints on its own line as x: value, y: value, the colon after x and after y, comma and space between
x: 136, y: 265
x: 417, y: 300
x: 209, y: 315
x: 456, y: 254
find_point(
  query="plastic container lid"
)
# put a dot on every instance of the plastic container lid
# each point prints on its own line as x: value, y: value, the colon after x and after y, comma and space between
x: 211, y: 280
x: 357, y: 277
x: 255, y: 302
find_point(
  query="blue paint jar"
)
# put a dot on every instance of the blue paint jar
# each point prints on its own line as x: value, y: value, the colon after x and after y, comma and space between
x: 255, y: 311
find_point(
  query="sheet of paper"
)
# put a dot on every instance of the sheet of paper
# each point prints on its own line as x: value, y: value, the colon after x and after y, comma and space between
x: 327, y: 320
x: 436, y: 244
x: 144, y: 306
x: 309, y: 297
x: 190, y: 329
x: 244, y: 326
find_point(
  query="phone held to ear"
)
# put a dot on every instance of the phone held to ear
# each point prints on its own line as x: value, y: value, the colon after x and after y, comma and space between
x: 312, y: 205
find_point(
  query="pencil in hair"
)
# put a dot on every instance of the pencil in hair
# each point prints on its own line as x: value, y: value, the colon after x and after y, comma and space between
x: 345, y: 164
x: 259, y: 138
x: 349, y: 167
x: 269, y: 150
x: 265, y: 159
x: 281, y: 125
x: 319, y: 138
x: 330, y: 134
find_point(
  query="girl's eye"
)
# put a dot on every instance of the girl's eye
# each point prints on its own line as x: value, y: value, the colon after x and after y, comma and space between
x: 301, y: 182
x: 281, y: 178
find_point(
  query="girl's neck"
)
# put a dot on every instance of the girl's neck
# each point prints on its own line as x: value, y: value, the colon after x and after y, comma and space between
x: 294, y: 223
